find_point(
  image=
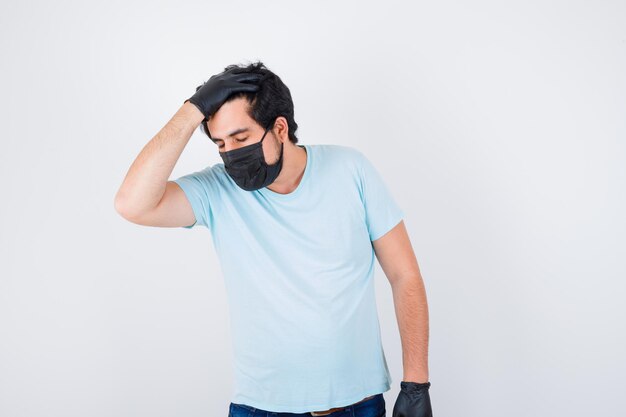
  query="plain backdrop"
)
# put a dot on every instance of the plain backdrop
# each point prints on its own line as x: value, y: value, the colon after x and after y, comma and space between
x: 499, y: 127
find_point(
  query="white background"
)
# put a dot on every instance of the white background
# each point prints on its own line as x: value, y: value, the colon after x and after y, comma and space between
x: 498, y: 126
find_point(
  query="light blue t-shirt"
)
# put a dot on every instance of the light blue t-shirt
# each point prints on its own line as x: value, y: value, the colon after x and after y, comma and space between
x: 299, y: 276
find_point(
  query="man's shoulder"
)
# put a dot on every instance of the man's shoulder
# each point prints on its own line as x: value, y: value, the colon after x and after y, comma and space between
x: 211, y: 177
x: 211, y: 171
x: 341, y: 152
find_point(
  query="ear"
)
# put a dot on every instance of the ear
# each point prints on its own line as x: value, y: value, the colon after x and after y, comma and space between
x: 281, y: 129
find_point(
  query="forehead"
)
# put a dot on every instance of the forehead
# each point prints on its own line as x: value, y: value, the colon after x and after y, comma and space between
x: 229, y: 117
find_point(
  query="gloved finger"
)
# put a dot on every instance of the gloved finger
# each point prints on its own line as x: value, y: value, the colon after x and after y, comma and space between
x: 252, y: 88
x: 247, y: 76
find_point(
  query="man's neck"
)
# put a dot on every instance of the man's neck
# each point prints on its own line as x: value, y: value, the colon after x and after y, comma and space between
x: 294, y: 164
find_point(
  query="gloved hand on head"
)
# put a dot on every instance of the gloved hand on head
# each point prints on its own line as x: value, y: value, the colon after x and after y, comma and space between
x: 213, y: 93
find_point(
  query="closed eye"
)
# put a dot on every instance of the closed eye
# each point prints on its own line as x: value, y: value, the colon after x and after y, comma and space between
x: 238, y: 140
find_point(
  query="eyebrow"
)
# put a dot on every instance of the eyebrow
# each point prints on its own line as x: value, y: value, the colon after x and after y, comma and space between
x: 233, y: 133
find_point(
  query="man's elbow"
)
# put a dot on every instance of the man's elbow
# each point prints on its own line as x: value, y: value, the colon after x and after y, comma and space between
x: 123, y: 209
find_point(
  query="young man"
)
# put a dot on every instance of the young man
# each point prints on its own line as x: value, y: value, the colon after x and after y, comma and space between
x: 297, y: 229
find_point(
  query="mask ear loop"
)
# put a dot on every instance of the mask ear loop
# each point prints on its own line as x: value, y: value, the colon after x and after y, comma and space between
x: 268, y: 128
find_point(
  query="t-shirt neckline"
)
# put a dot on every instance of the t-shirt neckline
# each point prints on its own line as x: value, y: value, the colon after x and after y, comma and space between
x: 272, y: 194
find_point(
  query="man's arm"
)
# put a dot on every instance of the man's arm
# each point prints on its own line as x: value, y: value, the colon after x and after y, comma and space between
x: 397, y: 259
x: 146, y: 180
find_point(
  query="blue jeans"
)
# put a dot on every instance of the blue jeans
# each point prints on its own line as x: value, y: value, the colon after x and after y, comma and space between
x: 374, y: 407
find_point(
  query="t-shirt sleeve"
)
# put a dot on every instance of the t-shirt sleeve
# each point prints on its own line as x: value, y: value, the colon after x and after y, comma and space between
x: 197, y: 187
x: 382, y: 212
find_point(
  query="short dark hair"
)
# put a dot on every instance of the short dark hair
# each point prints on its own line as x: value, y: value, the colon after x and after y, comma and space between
x: 273, y: 99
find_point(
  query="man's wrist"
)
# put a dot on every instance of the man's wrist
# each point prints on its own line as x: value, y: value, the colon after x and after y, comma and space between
x: 193, y: 112
x: 417, y: 378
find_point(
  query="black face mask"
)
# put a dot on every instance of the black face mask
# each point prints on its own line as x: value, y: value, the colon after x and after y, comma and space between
x: 247, y: 166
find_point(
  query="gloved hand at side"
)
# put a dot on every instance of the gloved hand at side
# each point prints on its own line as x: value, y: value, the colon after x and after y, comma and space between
x: 213, y: 93
x: 413, y: 400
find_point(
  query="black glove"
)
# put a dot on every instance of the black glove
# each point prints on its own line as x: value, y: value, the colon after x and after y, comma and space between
x: 413, y: 400
x: 213, y: 93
